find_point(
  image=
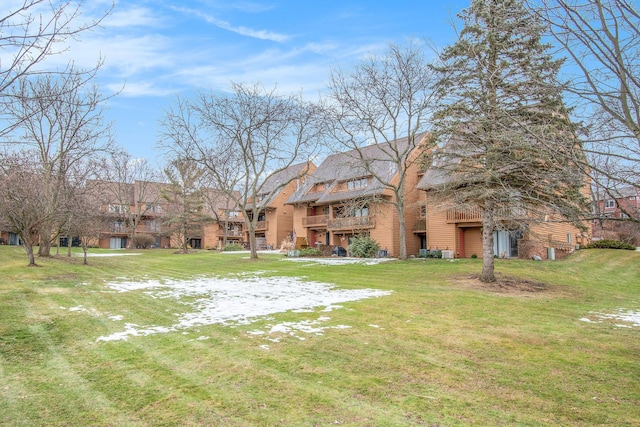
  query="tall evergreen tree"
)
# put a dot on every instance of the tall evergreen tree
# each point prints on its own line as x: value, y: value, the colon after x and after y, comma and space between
x: 510, y: 147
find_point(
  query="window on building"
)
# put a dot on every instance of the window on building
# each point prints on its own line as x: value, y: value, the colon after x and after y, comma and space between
x: 261, y: 197
x: 357, y: 183
x: 569, y: 238
x: 317, y: 187
x: 362, y: 211
x: 423, y: 211
x: 152, y: 207
x: 117, y: 209
x: 152, y: 226
x: 610, y: 203
x: 343, y: 211
x: 118, y: 227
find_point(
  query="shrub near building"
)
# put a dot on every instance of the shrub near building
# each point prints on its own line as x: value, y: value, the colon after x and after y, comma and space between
x: 363, y: 247
x: 609, y: 244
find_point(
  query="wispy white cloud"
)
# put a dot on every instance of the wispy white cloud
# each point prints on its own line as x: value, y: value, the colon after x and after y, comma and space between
x: 244, y: 6
x: 133, y: 89
x: 244, y: 31
x: 133, y: 17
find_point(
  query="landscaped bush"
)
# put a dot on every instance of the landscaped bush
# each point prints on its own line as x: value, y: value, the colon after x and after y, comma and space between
x: 143, y: 241
x: 364, y: 247
x: 232, y: 247
x: 310, y: 252
x: 609, y: 244
x: 434, y: 254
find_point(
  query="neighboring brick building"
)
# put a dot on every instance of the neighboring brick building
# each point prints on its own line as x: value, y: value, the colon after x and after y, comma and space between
x: 129, y: 205
x: 614, y: 210
x: 142, y: 205
x: 227, y: 221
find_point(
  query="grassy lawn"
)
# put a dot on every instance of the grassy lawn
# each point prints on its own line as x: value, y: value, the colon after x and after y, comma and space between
x: 440, y: 350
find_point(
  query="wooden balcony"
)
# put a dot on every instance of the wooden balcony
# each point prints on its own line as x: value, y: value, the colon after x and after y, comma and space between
x: 119, y: 229
x: 148, y: 229
x: 455, y: 216
x: 316, y: 221
x: 351, y: 223
x: 152, y: 214
x: 262, y: 225
x: 420, y: 225
x: 231, y: 233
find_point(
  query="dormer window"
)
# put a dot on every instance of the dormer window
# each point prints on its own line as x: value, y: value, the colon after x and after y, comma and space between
x: 610, y: 203
x: 357, y: 183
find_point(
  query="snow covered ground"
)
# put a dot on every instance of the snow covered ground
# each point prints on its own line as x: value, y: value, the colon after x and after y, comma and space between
x: 110, y: 254
x: 622, y: 318
x: 239, y: 299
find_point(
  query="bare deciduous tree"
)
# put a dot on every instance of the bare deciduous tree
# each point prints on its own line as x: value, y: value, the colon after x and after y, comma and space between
x: 85, y: 220
x: 22, y: 199
x: 385, y: 98
x: 602, y: 41
x: 30, y: 32
x: 247, y: 140
x: 61, y: 121
x: 132, y: 188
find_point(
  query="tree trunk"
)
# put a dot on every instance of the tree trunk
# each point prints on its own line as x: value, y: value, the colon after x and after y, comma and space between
x: 488, y: 274
x: 131, y: 236
x: 69, y: 240
x: 28, y: 247
x: 402, y: 231
x: 85, y: 250
x: 224, y: 233
x: 44, y: 248
x: 252, y: 242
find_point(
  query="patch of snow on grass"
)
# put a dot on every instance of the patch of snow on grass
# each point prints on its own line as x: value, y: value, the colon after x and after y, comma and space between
x: 89, y: 254
x: 91, y: 311
x: 311, y: 327
x: 236, y: 300
x: 630, y: 317
x: 135, y: 286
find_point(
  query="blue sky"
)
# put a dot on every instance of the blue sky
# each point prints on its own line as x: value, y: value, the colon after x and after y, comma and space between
x: 156, y: 50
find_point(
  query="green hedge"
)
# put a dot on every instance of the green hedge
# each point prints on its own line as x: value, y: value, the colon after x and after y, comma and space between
x: 233, y: 247
x: 310, y: 252
x: 609, y: 244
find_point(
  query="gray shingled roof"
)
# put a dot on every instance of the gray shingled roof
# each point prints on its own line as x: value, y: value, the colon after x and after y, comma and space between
x: 348, y: 165
x: 286, y: 175
x: 618, y: 193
